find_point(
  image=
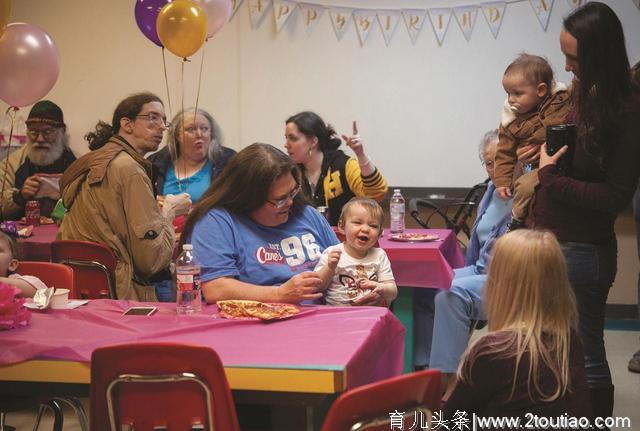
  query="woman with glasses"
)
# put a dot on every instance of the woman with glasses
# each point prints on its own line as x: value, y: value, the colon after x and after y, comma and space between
x: 330, y: 177
x: 109, y: 196
x: 254, y: 234
x: 193, y: 157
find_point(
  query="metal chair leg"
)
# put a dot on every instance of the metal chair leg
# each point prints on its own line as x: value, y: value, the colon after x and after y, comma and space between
x: 41, y: 410
x: 78, y: 409
x: 58, y: 418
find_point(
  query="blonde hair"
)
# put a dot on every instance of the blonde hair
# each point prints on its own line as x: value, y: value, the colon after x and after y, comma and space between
x: 529, y: 299
x: 373, y: 208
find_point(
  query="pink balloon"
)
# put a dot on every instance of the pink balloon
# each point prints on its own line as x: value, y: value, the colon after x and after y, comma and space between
x: 218, y: 14
x: 29, y: 64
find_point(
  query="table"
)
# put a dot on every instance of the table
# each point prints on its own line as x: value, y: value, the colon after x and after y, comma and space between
x: 420, y: 265
x: 325, y: 351
x: 38, y: 246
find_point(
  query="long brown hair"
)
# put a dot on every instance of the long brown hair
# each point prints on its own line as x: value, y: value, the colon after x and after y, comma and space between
x: 528, y: 298
x: 602, y: 89
x: 243, y: 185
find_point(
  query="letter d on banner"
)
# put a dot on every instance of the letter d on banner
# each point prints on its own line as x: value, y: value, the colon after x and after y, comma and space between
x: 493, y: 13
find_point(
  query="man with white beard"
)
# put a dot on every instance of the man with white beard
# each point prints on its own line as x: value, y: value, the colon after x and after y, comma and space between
x: 29, y: 173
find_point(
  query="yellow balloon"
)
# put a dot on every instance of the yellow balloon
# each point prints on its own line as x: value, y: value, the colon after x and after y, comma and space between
x: 182, y: 27
x: 5, y: 11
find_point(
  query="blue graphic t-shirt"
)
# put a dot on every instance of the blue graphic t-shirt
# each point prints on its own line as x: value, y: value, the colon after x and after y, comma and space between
x: 228, y: 245
x: 195, y: 185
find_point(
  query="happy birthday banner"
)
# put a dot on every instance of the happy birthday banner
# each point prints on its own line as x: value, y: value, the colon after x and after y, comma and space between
x: 387, y: 19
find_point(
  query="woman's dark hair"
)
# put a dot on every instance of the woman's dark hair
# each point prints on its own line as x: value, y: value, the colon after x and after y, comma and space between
x: 243, y: 185
x: 311, y: 125
x: 602, y: 89
x: 128, y: 108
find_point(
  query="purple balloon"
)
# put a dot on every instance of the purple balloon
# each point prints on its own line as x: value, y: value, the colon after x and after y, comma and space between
x: 146, y: 12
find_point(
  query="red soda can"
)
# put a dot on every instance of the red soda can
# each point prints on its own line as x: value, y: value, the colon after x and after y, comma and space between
x: 32, y: 213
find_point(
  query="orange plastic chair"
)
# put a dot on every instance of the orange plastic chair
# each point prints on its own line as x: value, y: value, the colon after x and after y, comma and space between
x: 160, y: 386
x: 370, y: 407
x: 94, y: 265
x: 51, y: 274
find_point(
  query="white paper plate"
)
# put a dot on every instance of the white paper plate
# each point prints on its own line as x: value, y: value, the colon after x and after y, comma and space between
x: 73, y: 303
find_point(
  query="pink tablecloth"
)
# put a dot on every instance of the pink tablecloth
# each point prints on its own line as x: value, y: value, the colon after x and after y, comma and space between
x: 38, y: 246
x: 366, y: 342
x: 424, y: 264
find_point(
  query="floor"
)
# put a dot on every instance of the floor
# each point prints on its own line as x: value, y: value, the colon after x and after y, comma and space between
x: 621, y: 344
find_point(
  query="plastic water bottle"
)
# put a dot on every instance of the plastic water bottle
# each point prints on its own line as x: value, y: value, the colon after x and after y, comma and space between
x: 188, y: 299
x: 396, y: 212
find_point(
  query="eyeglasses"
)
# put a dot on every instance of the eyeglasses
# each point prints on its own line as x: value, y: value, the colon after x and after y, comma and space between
x: 192, y: 130
x: 282, y: 202
x: 489, y: 164
x: 155, y: 119
x: 46, y: 133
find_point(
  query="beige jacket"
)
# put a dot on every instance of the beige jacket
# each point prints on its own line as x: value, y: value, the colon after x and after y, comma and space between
x: 8, y: 168
x: 109, y: 199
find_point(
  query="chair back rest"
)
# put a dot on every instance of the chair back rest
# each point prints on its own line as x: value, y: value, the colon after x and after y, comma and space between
x: 160, y: 384
x: 52, y: 274
x: 94, y: 265
x: 371, y: 406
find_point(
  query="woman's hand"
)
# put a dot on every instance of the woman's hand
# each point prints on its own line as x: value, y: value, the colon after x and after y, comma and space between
x: 528, y: 153
x: 546, y: 159
x: 355, y: 143
x: 300, y: 287
x: 373, y: 298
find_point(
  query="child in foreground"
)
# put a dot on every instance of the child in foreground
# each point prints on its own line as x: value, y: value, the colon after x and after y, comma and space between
x: 356, y: 269
x: 27, y: 284
x: 534, y: 101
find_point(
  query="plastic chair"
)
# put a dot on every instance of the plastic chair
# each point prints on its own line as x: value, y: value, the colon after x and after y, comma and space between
x: 370, y: 406
x: 94, y: 265
x: 160, y: 386
x: 51, y: 274
x: 458, y: 221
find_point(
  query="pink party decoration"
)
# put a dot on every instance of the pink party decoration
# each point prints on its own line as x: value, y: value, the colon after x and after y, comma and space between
x: 29, y: 65
x: 12, y: 313
x: 218, y: 14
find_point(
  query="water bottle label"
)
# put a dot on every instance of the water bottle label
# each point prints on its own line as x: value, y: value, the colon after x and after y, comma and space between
x: 187, y: 281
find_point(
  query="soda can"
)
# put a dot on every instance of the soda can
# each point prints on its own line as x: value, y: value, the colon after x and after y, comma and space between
x: 32, y: 213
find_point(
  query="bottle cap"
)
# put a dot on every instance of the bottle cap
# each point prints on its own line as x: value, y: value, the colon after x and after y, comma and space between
x: 187, y: 247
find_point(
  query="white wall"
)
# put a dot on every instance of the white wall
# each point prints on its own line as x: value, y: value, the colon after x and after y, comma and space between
x: 421, y: 108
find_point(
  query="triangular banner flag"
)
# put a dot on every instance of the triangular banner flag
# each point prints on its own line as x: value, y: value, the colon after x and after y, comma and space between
x: 388, y: 20
x: 576, y: 3
x: 282, y: 10
x: 364, y: 19
x: 466, y: 17
x: 542, y: 9
x: 257, y: 11
x: 340, y: 20
x: 493, y: 13
x: 414, y: 19
x: 235, y: 5
x: 311, y: 14
x: 440, y: 18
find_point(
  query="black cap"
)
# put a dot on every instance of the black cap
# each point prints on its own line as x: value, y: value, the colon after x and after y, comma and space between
x: 45, y: 111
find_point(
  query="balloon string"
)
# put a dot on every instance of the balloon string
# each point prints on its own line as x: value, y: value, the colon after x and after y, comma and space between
x: 11, y: 112
x: 200, y: 79
x: 184, y: 164
x: 166, y: 81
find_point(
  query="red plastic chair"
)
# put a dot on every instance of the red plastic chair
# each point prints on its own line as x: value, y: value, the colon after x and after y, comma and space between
x: 370, y: 406
x: 94, y: 265
x: 51, y: 274
x: 175, y: 386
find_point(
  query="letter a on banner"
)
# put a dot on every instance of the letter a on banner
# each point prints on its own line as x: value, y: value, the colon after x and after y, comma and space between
x: 257, y: 11
x: 542, y: 9
x: 493, y: 13
x: 388, y: 20
x: 414, y: 19
x: 310, y: 14
x: 576, y: 3
x: 282, y: 10
x: 440, y: 21
x: 340, y: 17
x: 466, y: 17
x: 364, y: 19
x: 235, y: 5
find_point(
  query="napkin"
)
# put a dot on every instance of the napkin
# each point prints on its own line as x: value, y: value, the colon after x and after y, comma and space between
x: 49, y: 186
x: 42, y: 298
